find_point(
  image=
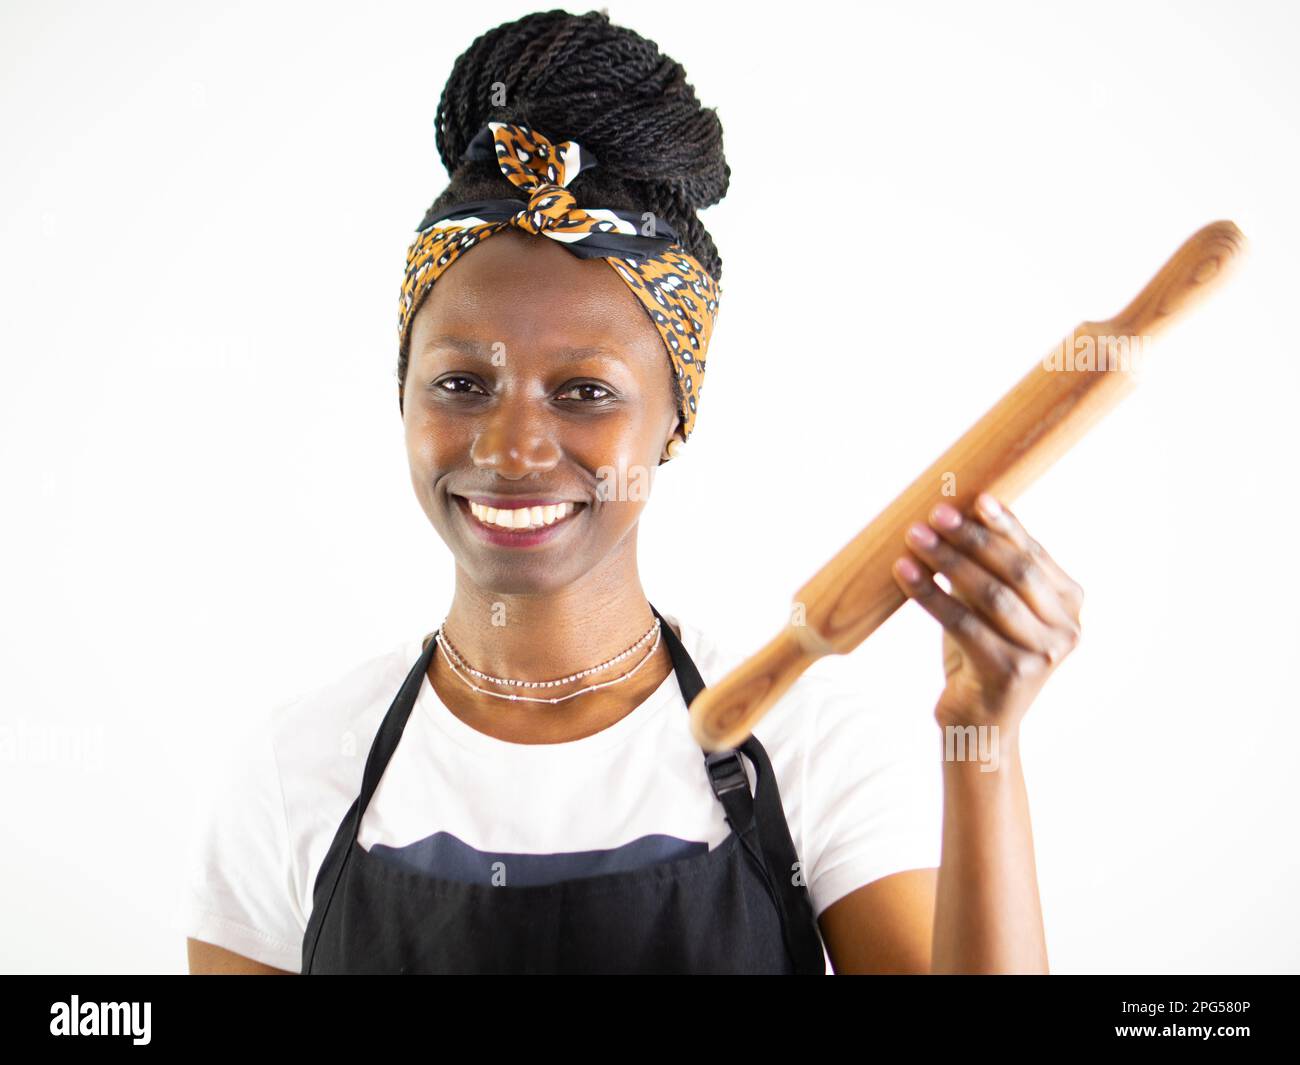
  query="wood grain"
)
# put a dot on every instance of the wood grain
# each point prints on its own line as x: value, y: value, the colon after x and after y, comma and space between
x: 1048, y: 410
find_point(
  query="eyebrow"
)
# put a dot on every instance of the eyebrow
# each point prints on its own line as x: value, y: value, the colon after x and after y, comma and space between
x: 483, y: 349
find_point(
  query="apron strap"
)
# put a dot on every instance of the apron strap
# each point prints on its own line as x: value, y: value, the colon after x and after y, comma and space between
x: 390, y: 732
x: 778, y: 862
x: 785, y: 870
x: 381, y: 750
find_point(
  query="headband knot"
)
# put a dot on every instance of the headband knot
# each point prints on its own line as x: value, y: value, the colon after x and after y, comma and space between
x: 548, y: 208
x: 679, y: 295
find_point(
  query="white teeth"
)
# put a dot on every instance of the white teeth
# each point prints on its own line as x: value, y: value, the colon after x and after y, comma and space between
x: 523, y: 517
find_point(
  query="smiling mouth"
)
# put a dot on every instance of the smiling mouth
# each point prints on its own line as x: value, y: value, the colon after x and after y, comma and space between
x: 521, y: 526
x: 525, y: 518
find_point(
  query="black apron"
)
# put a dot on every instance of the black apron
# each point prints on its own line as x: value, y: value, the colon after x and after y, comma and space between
x: 742, y: 907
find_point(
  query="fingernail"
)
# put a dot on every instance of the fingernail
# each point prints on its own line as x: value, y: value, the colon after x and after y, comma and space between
x: 989, y: 505
x: 908, y: 569
x: 946, y: 516
x: 923, y: 534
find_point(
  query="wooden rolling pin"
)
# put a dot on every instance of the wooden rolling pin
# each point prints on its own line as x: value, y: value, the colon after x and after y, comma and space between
x: 1032, y: 426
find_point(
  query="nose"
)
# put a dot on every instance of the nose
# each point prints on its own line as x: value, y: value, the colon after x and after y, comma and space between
x: 514, y: 443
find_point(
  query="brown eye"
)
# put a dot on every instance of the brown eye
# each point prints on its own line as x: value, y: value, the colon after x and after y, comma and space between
x: 442, y: 385
x: 605, y: 392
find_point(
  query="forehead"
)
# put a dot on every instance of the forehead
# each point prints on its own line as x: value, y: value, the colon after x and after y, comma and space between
x: 515, y: 287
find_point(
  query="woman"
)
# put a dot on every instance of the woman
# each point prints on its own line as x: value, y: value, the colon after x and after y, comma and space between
x: 518, y: 791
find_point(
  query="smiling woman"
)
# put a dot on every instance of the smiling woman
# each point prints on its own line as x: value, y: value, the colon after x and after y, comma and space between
x: 525, y: 427
x: 523, y: 794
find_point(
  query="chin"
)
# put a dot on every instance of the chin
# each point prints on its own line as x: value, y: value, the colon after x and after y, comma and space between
x: 525, y: 577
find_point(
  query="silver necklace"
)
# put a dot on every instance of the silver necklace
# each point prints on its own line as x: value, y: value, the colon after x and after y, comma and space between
x: 449, y: 653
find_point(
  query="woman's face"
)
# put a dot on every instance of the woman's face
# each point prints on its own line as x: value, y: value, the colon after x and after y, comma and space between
x: 534, y: 375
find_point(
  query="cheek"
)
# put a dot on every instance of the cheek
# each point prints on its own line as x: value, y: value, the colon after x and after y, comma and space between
x: 428, y: 449
x: 430, y: 455
x: 624, y: 479
x: 629, y: 444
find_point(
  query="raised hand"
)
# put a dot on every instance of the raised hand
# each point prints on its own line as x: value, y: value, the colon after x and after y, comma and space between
x: 1012, y: 617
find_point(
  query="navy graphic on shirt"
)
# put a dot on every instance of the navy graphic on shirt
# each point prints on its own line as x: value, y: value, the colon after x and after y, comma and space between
x: 447, y: 857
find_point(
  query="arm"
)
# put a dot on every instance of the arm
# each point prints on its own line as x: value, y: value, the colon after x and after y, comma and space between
x: 987, y: 917
x: 1012, y: 617
x: 242, y: 913
x: 207, y: 959
x: 883, y: 927
x: 978, y: 912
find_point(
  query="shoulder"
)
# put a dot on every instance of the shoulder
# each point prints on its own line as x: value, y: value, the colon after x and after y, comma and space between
x: 321, y: 737
x: 275, y: 805
x: 818, y: 703
x: 321, y: 717
x: 859, y: 778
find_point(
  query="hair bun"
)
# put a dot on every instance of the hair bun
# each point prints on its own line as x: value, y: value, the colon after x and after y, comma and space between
x: 581, y: 78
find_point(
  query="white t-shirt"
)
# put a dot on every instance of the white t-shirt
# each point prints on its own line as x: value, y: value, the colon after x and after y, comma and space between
x: 860, y: 803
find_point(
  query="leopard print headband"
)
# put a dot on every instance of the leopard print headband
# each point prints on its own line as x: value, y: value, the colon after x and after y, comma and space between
x: 677, y: 292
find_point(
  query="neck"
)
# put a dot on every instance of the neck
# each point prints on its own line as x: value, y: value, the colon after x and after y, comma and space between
x: 531, y: 637
x: 545, y: 637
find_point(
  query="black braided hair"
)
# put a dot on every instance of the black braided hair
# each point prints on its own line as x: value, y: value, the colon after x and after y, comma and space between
x: 579, y: 77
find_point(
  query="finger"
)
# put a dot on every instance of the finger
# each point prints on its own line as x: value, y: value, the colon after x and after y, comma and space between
x: 1001, y: 519
x: 998, y: 554
x: 997, y: 602
x: 985, y: 647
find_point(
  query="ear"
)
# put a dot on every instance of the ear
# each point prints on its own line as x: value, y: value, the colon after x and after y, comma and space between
x: 674, y: 435
x: 675, y: 432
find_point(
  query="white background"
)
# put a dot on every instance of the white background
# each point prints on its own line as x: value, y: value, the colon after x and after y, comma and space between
x: 204, y: 210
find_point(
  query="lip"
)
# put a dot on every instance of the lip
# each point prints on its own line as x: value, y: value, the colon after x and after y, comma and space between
x: 518, y: 537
